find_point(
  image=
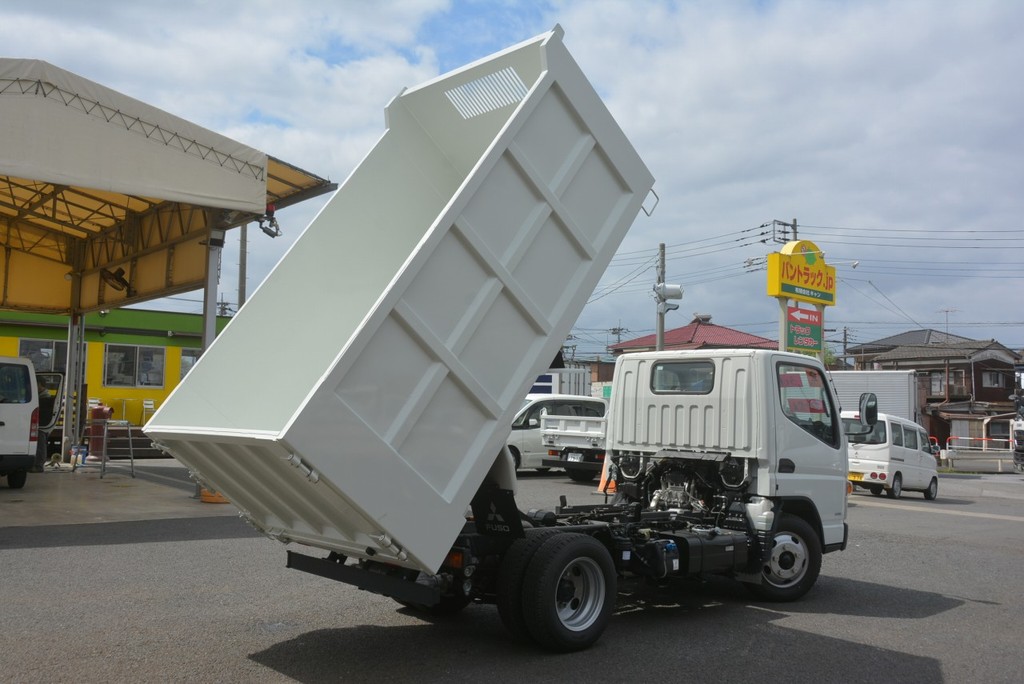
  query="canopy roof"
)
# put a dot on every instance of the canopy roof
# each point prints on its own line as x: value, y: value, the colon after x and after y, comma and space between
x: 106, y: 200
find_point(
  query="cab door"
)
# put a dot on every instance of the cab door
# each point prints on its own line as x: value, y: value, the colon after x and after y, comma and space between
x: 810, y: 456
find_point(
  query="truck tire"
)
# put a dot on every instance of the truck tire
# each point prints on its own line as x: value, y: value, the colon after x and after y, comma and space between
x: 794, y: 562
x: 16, y: 480
x: 571, y: 589
x: 515, y: 456
x: 581, y: 475
x: 510, y: 581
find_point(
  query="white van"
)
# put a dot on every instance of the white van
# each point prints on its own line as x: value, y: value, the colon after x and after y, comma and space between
x: 29, y: 408
x: 525, y: 442
x: 895, y: 455
x: 19, y: 419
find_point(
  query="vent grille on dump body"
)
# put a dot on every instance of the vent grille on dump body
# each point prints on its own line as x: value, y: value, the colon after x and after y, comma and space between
x: 487, y: 93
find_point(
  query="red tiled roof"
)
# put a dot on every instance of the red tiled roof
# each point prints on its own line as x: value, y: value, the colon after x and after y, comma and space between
x: 698, y: 335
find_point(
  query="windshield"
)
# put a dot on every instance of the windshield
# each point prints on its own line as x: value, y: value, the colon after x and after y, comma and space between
x: 861, y: 434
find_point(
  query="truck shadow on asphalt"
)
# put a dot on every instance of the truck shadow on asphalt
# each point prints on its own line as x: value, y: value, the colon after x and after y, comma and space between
x: 711, y: 630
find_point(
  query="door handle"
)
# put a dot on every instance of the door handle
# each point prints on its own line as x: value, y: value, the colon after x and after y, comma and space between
x: 786, y: 466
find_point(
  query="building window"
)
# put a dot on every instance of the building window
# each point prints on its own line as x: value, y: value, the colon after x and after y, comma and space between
x: 130, y: 366
x: 188, y: 359
x: 993, y: 379
x: 938, y: 384
x: 46, y: 355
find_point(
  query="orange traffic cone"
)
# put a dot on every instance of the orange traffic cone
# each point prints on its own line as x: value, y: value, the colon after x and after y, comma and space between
x: 606, y: 486
x: 211, y: 496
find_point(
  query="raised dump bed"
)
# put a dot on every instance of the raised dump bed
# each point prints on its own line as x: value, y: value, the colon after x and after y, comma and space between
x: 360, y: 397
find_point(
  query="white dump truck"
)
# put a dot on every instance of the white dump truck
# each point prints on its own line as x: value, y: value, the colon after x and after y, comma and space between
x: 427, y: 296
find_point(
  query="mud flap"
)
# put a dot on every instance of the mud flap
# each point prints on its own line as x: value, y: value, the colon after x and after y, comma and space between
x: 495, y: 512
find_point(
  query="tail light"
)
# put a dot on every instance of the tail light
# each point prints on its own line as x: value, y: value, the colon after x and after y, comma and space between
x: 33, y: 431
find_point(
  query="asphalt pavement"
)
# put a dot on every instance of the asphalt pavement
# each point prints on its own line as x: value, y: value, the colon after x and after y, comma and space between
x: 121, y: 579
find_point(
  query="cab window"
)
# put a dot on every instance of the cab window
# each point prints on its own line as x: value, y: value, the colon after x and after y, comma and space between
x: 926, y: 446
x: 855, y: 433
x: 910, y: 439
x: 805, y: 400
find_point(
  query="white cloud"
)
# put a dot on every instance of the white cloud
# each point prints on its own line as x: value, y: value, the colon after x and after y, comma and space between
x: 876, y: 116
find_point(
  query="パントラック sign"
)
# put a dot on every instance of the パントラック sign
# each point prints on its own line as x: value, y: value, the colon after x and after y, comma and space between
x: 798, y: 271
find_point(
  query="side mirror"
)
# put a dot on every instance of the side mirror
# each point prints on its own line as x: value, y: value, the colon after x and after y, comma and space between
x: 868, y: 408
x: 534, y: 422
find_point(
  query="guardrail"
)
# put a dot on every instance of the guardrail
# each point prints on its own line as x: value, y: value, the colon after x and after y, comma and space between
x: 980, y: 444
x: 950, y: 457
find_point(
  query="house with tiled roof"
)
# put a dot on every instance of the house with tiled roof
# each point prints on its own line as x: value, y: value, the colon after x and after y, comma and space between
x: 965, y: 384
x: 700, y: 333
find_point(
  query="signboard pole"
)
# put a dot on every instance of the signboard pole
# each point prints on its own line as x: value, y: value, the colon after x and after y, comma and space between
x: 783, y: 322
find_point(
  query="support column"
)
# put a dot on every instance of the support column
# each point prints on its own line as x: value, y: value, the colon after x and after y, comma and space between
x: 214, y: 245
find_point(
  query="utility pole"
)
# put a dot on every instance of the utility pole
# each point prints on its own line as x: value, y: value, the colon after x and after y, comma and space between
x: 784, y: 238
x: 664, y: 292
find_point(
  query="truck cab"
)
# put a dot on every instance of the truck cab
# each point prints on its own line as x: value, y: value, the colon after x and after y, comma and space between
x: 770, y: 415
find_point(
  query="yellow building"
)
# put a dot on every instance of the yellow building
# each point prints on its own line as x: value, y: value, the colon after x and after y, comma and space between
x: 134, y: 357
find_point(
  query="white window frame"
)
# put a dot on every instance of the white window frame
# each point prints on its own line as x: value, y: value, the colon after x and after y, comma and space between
x: 140, y: 375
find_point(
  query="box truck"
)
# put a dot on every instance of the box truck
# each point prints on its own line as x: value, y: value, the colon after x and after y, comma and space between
x: 896, y: 391
x: 454, y: 261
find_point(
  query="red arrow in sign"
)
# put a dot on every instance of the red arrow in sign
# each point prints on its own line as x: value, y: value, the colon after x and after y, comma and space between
x: 808, y: 316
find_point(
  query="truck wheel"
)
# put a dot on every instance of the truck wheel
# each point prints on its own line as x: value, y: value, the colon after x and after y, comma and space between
x: 515, y: 456
x: 571, y: 588
x: 16, y: 480
x: 581, y: 475
x: 793, y: 564
x: 933, y: 489
x: 896, y: 488
x: 510, y: 581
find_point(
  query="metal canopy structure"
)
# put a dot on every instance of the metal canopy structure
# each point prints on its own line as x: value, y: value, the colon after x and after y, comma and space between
x: 107, y: 201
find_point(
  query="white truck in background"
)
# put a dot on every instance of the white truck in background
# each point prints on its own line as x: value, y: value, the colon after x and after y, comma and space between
x: 575, y: 444
x: 896, y: 391
x: 455, y: 260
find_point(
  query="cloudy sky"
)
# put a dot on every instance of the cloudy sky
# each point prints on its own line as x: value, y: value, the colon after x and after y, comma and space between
x: 891, y: 130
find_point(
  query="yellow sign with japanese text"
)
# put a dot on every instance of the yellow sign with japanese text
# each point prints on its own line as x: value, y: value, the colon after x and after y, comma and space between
x: 798, y: 271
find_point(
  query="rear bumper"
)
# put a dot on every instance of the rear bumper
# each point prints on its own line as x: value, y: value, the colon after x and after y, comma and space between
x: 10, y: 463
x: 589, y: 466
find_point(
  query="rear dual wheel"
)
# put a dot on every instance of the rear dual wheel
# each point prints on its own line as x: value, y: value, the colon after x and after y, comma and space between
x: 566, y: 590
